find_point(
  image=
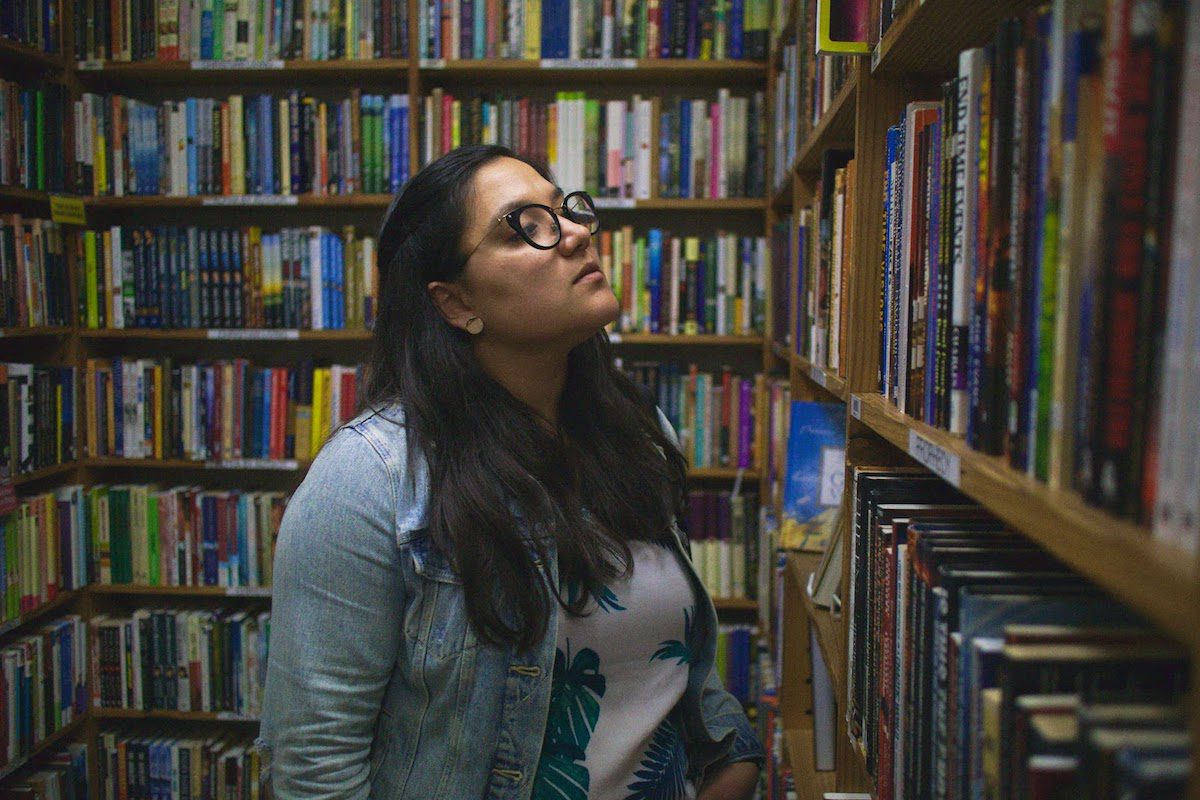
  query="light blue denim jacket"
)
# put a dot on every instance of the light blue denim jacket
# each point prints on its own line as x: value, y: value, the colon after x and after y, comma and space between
x: 377, y: 686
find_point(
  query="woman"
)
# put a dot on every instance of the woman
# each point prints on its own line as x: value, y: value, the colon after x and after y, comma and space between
x: 479, y: 587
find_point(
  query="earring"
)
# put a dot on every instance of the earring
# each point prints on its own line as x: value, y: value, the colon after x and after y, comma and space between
x: 474, y: 326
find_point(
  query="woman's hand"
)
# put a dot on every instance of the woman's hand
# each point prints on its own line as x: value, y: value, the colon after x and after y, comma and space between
x: 734, y: 782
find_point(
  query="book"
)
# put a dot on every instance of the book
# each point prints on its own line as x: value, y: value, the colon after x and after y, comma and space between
x: 815, y: 474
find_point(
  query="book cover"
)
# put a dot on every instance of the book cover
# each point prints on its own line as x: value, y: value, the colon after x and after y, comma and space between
x: 815, y: 474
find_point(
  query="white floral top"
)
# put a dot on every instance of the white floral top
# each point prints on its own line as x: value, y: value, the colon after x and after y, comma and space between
x: 618, y: 674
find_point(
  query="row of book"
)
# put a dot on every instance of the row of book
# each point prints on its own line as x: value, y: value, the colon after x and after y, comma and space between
x: 37, y: 417
x: 61, y: 774
x: 310, y: 278
x: 34, y: 23
x: 192, y: 764
x: 714, y: 414
x: 241, y: 145
x: 822, y: 252
x: 685, y: 284
x: 723, y: 530
x: 239, y: 30
x: 638, y: 148
x: 953, y: 620
x: 144, y: 535
x: 34, y: 282
x: 42, y: 685
x: 582, y: 29
x: 1028, y: 220
x: 181, y: 660
x: 214, y: 411
x: 736, y: 663
x: 32, y: 135
x: 45, y: 552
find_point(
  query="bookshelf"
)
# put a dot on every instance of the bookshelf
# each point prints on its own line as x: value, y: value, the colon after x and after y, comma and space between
x: 1157, y: 580
x: 153, y: 81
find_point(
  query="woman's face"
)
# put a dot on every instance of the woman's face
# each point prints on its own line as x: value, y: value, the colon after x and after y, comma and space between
x: 528, y: 297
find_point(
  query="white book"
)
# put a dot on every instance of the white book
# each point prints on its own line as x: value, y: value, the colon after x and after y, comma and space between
x: 966, y: 142
x: 673, y: 274
x: 314, y: 277
x: 116, y: 278
x: 726, y: 124
x: 835, y: 280
x: 643, y: 142
x: 824, y: 707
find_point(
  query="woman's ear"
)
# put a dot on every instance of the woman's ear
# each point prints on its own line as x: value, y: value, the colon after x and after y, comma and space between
x: 451, y: 303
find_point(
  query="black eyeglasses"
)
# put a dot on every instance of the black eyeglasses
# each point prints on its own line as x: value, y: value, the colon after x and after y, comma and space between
x: 538, y: 224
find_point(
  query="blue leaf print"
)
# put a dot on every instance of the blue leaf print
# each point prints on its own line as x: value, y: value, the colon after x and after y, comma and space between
x: 663, y: 767
x: 574, y: 711
x: 607, y: 600
x: 675, y: 649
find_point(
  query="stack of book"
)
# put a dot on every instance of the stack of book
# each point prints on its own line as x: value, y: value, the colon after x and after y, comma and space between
x: 723, y: 530
x: 638, y: 148
x: 34, y: 280
x: 180, y: 660
x: 956, y: 625
x: 580, y: 29
x: 201, y: 764
x: 46, y: 550
x: 241, y: 145
x: 823, y: 246
x: 685, y: 284
x: 37, y: 417
x: 736, y: 662
x: 42, y: 677
x: 182, y: 536
x: 218, y: 411
x: 32, y: 128
x: 310, y: 278
x: 240, y: 30
x: 712, y: 413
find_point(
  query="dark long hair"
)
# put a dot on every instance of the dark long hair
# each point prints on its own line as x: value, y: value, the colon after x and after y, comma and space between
x: 504, y: 488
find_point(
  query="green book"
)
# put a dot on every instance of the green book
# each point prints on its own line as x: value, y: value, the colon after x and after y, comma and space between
x: 152, y: 550
x: 120, y: 544
x: 592, y: 145
x: 39, y: 139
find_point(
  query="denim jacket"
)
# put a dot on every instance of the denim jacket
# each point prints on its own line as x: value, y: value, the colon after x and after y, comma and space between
x: 377, y: 686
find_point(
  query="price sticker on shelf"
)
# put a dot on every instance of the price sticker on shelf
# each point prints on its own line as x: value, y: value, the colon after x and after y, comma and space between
x: 433, y: 63
x: 818, y: 376
x: 90, y: 65
x: 248, y: 591
x: 67, y: 210
x: 254, y: 463
x: 614, y: 338
x: 615, y: 202
x: 260, y: 63
x: 252, y: 200
x: 253, y: 333
x: 230, y: 716
x: 856, y: 407
x: 938, y: 459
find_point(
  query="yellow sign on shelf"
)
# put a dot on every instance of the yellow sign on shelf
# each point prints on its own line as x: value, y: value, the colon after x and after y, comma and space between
x: 67, y: 210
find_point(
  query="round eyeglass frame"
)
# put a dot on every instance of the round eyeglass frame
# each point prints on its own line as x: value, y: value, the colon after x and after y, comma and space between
x: 513, y: 218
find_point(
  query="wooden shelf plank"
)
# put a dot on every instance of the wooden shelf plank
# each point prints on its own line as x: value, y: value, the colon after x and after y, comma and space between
x: 1155, y: 579
x: 617, y: 70
x: 926, y: 40
x: 172, y: 716
x: 30, y: 333
x: 703, y: 339
x: 798, y: 750
x: 835, y: 130
x: 830, y: 634
x: 63, y: 734
x: 740, y: 604
x: 17, y: 53
x: 781, y: 201
x: 232, y: 72
x: 247, y: 464
x: 227, y: 334
x: 381, y: 202
x: 19, y: 194
x: 130, y: 589
x: 823, y: 377
x: 43, y: 474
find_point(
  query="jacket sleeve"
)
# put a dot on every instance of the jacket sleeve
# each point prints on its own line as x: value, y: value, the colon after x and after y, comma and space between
x: 337, y: 598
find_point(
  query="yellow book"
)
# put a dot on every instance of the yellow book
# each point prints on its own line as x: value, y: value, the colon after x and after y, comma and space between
x: 91, y: 288
x: 158, y: 410
x: 100, y: 159
x: 691, y: 255
x: 50, y: 532
x: 226, y: 411
x: 237, y: 146
x: 352, y: 44
x: 318, y: 411
x: 552, y: 134
x: 285, y: 151
x: 533, y: 29
x: 456, y: 123
x: 992, y: 700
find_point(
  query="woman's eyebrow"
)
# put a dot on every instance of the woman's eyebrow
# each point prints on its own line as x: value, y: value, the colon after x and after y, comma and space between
x: 515, y: 204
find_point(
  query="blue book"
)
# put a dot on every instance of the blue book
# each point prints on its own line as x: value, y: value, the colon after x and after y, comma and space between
x: 664, y: 39
x: 685, y: 148
x: 253, y: 173
x: 264, y: 424
x: 339, y: 283
x: 193, y: 168
x: 241, y: 560
x: 404, y: 145
x: 654, y: 280
x: 206, y: 32
x: 479, y: 45
x: 395, y: 155
x: 736, y: 18
x: 208, y: 540
x: 890, y: 207
x: 816, y: 468
x: 266, y: 144
x: 666, y: 180
x: 327, y: 278
x: 556, y: 28
x: 118, y: 421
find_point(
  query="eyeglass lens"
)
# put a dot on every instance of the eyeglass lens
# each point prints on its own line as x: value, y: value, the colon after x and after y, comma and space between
x: 541, y: 227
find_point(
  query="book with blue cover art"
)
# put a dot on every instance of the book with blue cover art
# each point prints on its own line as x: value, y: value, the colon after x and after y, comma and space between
x: 816, y: 467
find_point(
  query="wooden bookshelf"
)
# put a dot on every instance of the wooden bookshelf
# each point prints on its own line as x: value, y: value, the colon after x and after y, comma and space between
x: 272, y: 335
x: 380, y: 202
x: 798, y: 750
x: 686, y: 72
x: 823, y: 377
x: 245, y: 464
x: 55, y: 606
x: 830, y: 633
x: 45, y: 473
x: 15, y: 53
x: 697, y: 340
x: 743, y: 605
x: 928, y: 36
x: 221, y: 73
x: 172, y: 716
x: 781, y: 201
x: 835, y: 130
x: 64, y: 734
x: 29, y: 197
x: 1152, y: 577
x: 130, y: 589
x: 36, y: 332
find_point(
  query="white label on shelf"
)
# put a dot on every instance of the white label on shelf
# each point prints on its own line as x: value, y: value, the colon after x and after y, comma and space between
x: 252, y: 200
x: 253, y: 333
x: 818, y: 376
x: 615, y: 202
x: 433, y: 63
x: 230, y: 716
x: 90, y: 65
x: 856, y: 407
x: 248, y: 591
x: 589, y: 63
x: 941, y: 461
x: 253, y: 63
x: 254, y: 463
x: 615, y: 338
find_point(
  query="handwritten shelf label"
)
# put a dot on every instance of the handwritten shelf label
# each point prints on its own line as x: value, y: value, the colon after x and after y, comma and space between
x: 261, y: 63
x: 938, y: 459
x: 252, y: 200
x: 589, y: 63
x: 253, y: 333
